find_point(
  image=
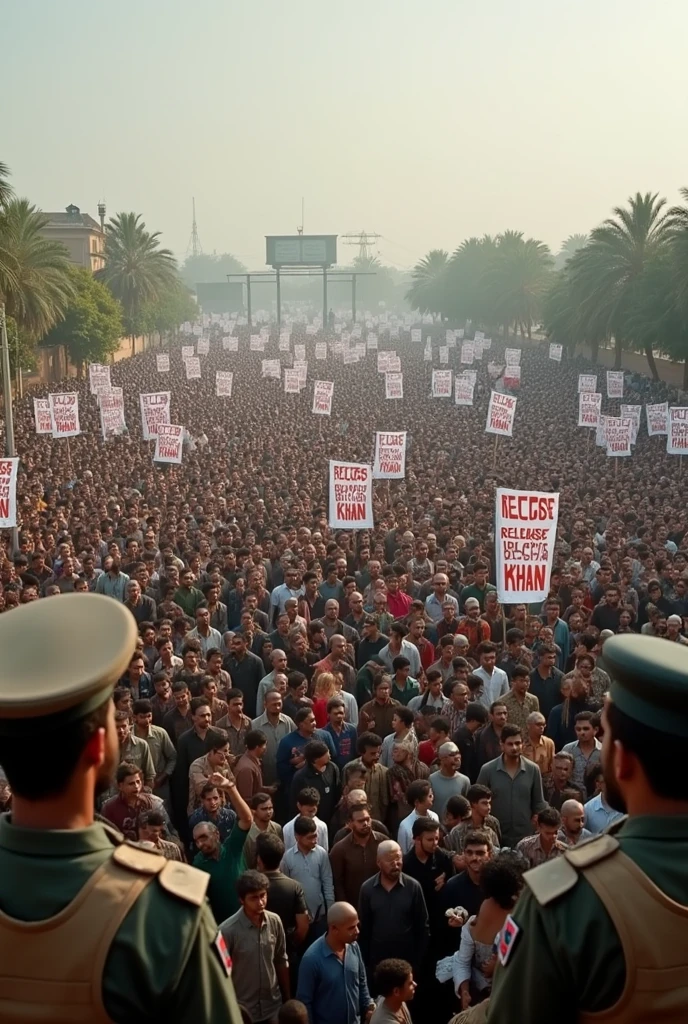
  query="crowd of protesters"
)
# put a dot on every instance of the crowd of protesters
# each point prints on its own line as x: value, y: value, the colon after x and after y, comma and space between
x: 347, y: 731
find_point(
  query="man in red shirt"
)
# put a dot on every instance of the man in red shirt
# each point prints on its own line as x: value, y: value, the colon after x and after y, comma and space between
x: 398, y: 602
x: 416, y: 629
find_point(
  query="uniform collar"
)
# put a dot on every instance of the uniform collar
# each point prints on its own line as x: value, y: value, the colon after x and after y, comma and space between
x: 37, y: 842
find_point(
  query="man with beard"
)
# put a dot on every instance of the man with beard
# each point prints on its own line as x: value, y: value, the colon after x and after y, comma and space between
x: 78, y: 901
x: 604, y: 928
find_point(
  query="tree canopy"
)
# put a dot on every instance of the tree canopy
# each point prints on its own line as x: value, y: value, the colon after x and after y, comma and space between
x: 92, y: 325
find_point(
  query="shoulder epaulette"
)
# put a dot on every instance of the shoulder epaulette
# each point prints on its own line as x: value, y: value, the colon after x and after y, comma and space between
x: 555, y: 878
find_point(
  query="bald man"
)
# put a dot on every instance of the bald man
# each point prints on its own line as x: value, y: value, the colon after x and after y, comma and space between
x: 324, y: 987
x: 572, y: 831
x: 393, y: 914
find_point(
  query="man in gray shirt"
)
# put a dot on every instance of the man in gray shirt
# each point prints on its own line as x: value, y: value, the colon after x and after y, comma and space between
x: 516, y: 787
x: 448, y: 781
x: 308, y: 863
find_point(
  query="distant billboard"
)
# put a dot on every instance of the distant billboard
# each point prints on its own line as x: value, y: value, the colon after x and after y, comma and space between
x: 301, y: 250
x: 220, y: 297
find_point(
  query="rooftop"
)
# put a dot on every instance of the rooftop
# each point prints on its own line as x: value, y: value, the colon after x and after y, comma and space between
x: 72, y: 217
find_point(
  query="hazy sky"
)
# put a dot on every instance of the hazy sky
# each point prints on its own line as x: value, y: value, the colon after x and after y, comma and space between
x: 424, y: 120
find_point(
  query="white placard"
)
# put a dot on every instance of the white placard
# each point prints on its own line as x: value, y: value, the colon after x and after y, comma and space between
x: 193, y: 368
x: 155, y: 409
x: 677, y: 434
x: 442, y: 383
x: 351, y: 496
x: 321, y: 350
x: 162, y: 362
x: 444, y: 355
x: 299, y: 353
x: 512, y: 356
x: 98, y: 377
x: 632, y: 412
x: 555, y: 352
x: 618, y: 434
x: 323, y: 390
x: 64, y: 411
x: 468, y: 349
x: 525, y: 537
x: 112, y: 422
x: 203, y: 347
x: 8, y: 494
x: 230, y: 343
x: 512, y: 375
x: 371, y: 340
x: 500, y: 414
x: 587, y: 382
x: 589, y: 408
x: 390, y: 455
x: 394, y: 385
x: 42, y: 416
x: 188, y: 351
x: 615, y: 383
x: 224, y: 381
x: 657, y: 418
x: 416, y: 335
x: 292, y: 384
x: 169, y: 443
x: 271, y: 368
x: 463, y: 390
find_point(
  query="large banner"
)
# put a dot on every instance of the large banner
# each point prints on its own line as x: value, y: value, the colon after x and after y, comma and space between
x: 98, y: 377
x: 224, y: 379
x: 657, y: 418
x: 394, y: 385
x: 155, y: 409
x: 442, y: 383
x: 587, y: 382
x: 525, y: 534
x: 162, y: 361
x: 323, y: 390
x: 42, y: 416
x: 112, y: 421
x: 8, y: 492
x: 589, y: 408
x: 390, y: 456
x: 169, y: 443
x: 64, y: 410
x: 351, y: 496
x: 677, y: 436
x: 619, y: 435
x: 555, y: 352
x: 500, y: 414
x: 615, y: 383
x: 463, y: 389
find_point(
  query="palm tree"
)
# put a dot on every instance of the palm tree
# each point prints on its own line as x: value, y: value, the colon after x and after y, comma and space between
x: 517, y: 280
x: 35, y: 284
x: 571, y: 246
x: 6, y: 190
x: 137, y: 270
x: 426, y: 291
x: 466, y: 297
x: 606, y: 270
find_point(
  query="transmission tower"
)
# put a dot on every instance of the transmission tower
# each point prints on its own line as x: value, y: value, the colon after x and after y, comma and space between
x: 194, y: 246
x: 363, y: 239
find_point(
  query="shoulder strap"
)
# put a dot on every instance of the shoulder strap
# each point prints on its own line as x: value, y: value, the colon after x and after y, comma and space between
x: 556, y: 877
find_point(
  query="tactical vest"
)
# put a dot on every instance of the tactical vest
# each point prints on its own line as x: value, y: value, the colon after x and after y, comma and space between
x: 51, y: 972
x: 652, y: 930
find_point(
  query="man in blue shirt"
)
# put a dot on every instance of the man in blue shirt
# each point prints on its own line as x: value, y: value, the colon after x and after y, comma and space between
x: 344, y: 735
x: 332, y: 979
x: 290, y: 750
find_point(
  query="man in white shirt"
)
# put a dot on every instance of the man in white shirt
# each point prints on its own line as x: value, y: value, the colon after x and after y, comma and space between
x: 307, y: 803
x: 495, y: 679
x: 420, y: 794
x: 206, y: 635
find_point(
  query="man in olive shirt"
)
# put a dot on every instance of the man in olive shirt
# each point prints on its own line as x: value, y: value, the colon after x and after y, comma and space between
x: 165, y: 957
x: 223, y: 861
x: 619, y: 886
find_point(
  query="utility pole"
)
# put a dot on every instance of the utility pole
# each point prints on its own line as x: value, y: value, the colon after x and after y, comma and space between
x: 364, y: 240
x: 7, y: 402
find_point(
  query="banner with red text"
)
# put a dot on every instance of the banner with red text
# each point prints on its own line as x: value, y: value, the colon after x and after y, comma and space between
x: 657, y: 418
x: 351, y: 496
x: 390, y: 455
x: 677, y: 434
x: 442, y: 383
x: 589, y: 408
x: 112, y: 421
x: 98, y: 377
x: 500, y: 414
x: 193, y: 368
x: 323, y: 390
x: 42, y: 416
x: 512, y: 375
x: 8, y: 492
x: 587, y: 382
x: 394, y: 385
x: 169, y: 443
x: 525, y: 535
x: 224, y: 379
x: 64, y: 410
x: 155, y: 409
x: 464, y: 387
x: 619, y: 436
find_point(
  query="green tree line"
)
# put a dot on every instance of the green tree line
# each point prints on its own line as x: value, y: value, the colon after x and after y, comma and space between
x: 625, y: 284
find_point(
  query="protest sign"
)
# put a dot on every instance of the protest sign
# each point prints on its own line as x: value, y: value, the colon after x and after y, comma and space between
x: 390, y: 456
x: 633, y: 413
x: 271, y: 368
x: 382, y: 361
x: 323, y: 391
x: 64, y: 411
x: 302, y: 368
x: 463, y: 390
x: 284, y: 343
x: 587, y: 382
x: 256, y: 343
x: 512, y: 356
x: 224, y: 379
x: 478, y: 335
x: 657, y: 418
x: 677, y: 434
x: 169, y: 443
x: 449, y: 338
x: 468, y: 350
x: 555, y: 352
x: 112, y: 421
x: 351, y: 496
x: 292, y: 385
x: 601, y: 432
x: 615, y: 383
x: 193, y: 368
x: 459, y: 334
x: 203, y: 347
x: 589, y: 408
x: 416, y: 335
x: 394, y: 363
x: 494, y: 370
x: 442, y: 383
x: 321, y: 350
x: 155, y: 409
x: 8, y: 492
x: 299, y: 353
x: 187, y: 352
x: 500, y: 414
x: 618, y: 434
x: 230, y: 343
x: 394, y: 385
x: 98, y: 377
x: 371, y: 340
x: 525, y: 536
x: 444, y: 355
x: 512, y: 375
x: 162, y: 361
x: 42, y: 416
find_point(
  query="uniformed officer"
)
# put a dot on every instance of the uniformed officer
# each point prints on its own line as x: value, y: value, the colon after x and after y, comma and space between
x: 604, y: 928
x: 92, y: 928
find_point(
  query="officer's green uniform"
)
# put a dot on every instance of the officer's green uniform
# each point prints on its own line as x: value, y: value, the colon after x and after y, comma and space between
x: 162, y: 962
x: 567, y: 960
